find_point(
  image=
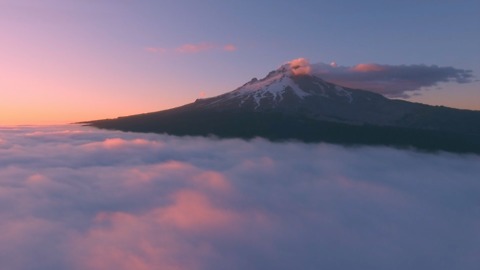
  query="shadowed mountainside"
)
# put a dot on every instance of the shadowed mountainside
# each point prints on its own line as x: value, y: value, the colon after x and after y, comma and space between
x: 287, y: 106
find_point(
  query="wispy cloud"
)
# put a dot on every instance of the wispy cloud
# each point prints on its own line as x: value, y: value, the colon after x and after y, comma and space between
x: 389, y: 80
x: 230, y: 48
x: 193, y: 48
x: 80, y: 198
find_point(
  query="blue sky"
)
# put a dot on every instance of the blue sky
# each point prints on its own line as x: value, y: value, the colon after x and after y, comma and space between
x: 123, y: 57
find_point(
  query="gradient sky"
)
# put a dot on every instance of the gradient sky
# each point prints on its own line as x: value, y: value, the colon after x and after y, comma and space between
x: 72, y: 60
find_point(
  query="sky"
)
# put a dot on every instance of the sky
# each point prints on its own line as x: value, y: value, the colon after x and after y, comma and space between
x: 71, y: 60
x: 79, y: 198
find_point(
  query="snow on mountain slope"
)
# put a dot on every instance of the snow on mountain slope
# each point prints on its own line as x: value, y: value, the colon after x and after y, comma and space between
x: 271, y: 86
x: 271, y: 90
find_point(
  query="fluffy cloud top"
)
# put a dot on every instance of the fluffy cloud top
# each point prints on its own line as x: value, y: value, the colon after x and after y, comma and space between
x: 80, y: 198
x: 390, y: 80
x: 300, y: 66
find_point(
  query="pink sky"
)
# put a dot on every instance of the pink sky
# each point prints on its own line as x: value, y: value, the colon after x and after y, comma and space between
x: 67, y: 61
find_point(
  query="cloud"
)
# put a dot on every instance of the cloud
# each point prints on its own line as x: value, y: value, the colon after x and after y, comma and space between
x: 390, y: 80
x: 193, y: 48
x: 300, y: 66
x: 111, y: 200
x: 367, y: 68
x: 230, y: 48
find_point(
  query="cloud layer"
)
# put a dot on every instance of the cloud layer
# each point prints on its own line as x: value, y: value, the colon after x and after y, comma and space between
x: 79, y: 198
x: 389, y: 80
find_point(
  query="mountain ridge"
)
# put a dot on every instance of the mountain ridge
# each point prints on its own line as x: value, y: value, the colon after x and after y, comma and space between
x: 291, y: 104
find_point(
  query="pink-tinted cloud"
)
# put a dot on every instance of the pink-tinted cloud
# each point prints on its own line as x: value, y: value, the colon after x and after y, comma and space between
x: 119, y: 144
x: 390, y: 80
x: 213, y: 180
x: 79, y: 198
x: 126, y: 241
x: 195, y: 48
x: 230, y: 48
x: 300, y: 66
x: 194, y: 211
x: 366, y: 67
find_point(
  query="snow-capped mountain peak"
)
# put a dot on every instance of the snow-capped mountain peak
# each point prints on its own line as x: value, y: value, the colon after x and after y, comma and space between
x: 292, y: 103
x: 290, y: 83
x: 274, y: 85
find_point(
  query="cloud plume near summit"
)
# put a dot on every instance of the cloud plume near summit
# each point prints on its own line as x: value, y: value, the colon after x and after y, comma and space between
x: 389, y: 80
x: 80, y: 198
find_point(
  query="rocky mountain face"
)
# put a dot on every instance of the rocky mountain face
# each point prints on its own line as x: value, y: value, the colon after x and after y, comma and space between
x: 290, y: 105
x: 282, y: 91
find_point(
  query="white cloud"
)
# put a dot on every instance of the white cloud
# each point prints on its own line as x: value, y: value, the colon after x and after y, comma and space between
x: 80, y: 198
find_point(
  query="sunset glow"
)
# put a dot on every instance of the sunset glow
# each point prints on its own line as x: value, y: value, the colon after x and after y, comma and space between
x: 68, y: 61
x: 304, y: 140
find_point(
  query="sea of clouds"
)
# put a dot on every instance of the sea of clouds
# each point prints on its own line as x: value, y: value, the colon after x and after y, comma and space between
x: 80, y: 198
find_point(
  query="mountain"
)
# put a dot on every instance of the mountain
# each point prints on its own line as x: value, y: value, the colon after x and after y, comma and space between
x: 290, y: 104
